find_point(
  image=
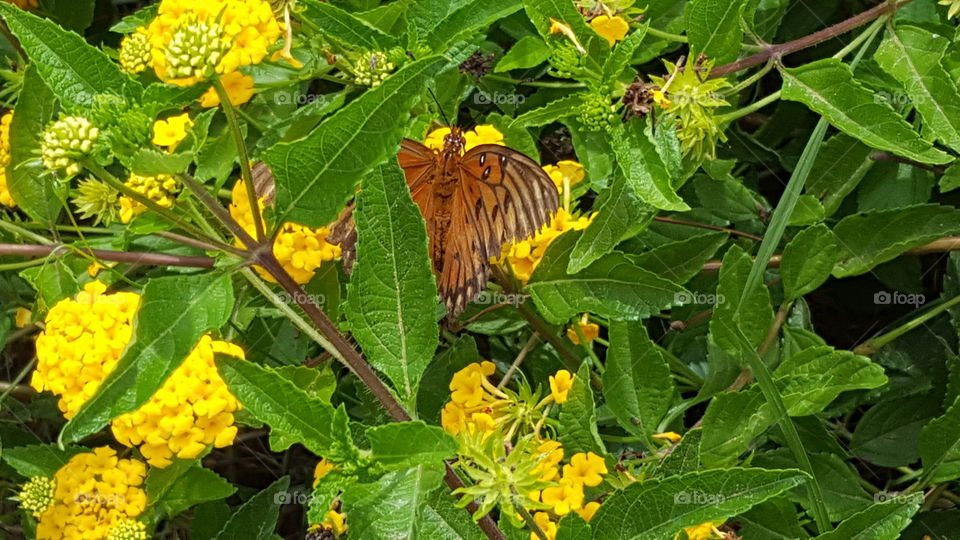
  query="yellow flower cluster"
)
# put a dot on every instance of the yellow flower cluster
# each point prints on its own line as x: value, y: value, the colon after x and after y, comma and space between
x: 192, y: 410
x: 5, y: 198
x: 524, y: 256
x: 135, y: 51
x: 96, y: 495
x: 482, y: 134
x: 333, y: 521
x: 299, y: 249
x: 567, y: 493
x: 192, y: 41
x: 37, y: 495
x: 565, y: 172
x: 703, y: 531
x: 160, y: 189
x: 591, y: 331
x: 81, y: 342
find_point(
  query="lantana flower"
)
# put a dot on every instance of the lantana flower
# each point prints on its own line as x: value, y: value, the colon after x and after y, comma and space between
x: 5, y: 198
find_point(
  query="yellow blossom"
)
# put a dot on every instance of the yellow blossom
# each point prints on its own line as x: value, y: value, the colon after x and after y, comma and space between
x: 171, y: 131
x: 613, y: 29
x: 161, y: 189
x: 703, y: 531
x: 524, y: 256
x: 482, y: 134
x: 584, y: 469
x: 557, y: 27
x: 466, y: 386
x: 238, y: 86
x: 552, y: 452
x: 299, y: 249
x: 95, y: 495
x: 191, y: 411
x: 588, y: 510
x: 564, y: 498
x: 335, y: 521
x: 668, y: 436
x: 5, y: 198
x: 549, y: 527
x: 565, y: 171
x: 81, y: 343
x: 322, y: 469
x: 590, y: 332
x: 192, y: 41
x: 560, y: 385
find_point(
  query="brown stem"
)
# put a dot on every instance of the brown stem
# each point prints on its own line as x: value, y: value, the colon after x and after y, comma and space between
x: 347, y: 354
x: 187, y: 241
x: 783, y: 49
x: 133, y: 257
x: 885, y: 156
x: 734, y: 232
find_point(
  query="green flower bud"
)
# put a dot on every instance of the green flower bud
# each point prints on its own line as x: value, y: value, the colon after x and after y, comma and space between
x: 97, y: 200
x: 597, y: 112
x: 372, y: 69
x: 567, y: 60
x: 66, y: 142
x: 195, y: 50
x: 37, y: 495
x: 135, y: 52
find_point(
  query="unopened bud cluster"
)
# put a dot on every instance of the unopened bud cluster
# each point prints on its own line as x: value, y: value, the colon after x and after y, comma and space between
x: 372, y: 69
x: 135, y: 52
x: 597, y: 112
x: 66, y: 142
x: 195, y: 49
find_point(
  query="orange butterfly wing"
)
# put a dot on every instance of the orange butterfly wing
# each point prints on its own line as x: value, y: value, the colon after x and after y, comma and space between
x: 502, y: 196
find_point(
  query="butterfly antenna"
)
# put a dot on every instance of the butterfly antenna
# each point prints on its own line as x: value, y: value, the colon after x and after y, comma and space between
x: 439, y: 108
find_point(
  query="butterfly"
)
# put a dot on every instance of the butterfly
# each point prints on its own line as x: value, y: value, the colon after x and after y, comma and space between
x: 473, y: 203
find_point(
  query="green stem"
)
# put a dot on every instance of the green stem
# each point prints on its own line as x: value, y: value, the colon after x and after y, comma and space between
x: 16, y: 381
x: 233, y: 122
x: 871, y: 346
x: 534, y: 84
x: 16, y: 229
x: 753, y: 107
x: 684, y: 39
x: 749, y: 81
x: 22, y: 265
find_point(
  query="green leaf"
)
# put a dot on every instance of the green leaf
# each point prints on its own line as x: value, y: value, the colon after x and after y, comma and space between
x: 643, y: 167
x: 40, y: 459
x: 151, y: 162
x: 637, y: 383
x: 182, y: 485
x: 557, y: 109
x: 889, y: 432
x: 808, y: 211
x: 620, y: 215
x: 878, y: 522
x: 940, y: 446
x: 73, y: 15
x: 727, y: 199
x: 442, y: 22
x: 441, y: 520
x: 276, y: 401
x: 912, y: 56
x: 256, y: 518
x: 33, y: 188
x: 141, y: 17
x: 75, y: 71
x: 680, y: 261
x: 345, y: 28
x: 871, y: 238
x: 659, y: 507
x: 390, y: 508
x: 409, y: 444
x: 714, y: 29
x: 529, y: 52
x: 54, y: 281
x: 775, y: 519
x: 621, y: 56
x: 840, y: 166
x: 808, y: 260
x: 392, y: 297
x: 950, y: 179
x: 611, y: 287
x: 828, y: 88
x: 578, y: 417
x: 316, y: 175
x: 174, y: 313
x: 753, y: 318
